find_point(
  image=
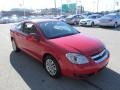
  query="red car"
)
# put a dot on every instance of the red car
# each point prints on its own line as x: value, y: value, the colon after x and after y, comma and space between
x: 62, y: 49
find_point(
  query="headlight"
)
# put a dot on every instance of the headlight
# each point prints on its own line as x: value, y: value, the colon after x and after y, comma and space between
x: 76, y: 58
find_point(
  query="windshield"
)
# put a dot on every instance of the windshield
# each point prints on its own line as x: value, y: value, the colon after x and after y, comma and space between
x: 71, y: 16
x: 91, y: 17
x: 58, y: 17
x: 56, y: 29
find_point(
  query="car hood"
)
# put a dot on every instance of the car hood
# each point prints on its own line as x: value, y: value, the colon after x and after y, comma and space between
x: 85, y: 19
x: 79, y: 43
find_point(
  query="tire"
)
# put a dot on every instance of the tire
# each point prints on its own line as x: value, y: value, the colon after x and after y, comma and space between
x: 52, y: 67
x: 75, y: 23
x: 14, y: 46
x: 115, y: 25
x: 92, y: 24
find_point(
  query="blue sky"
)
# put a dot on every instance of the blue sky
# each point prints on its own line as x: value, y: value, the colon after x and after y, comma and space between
x: 89, y: 5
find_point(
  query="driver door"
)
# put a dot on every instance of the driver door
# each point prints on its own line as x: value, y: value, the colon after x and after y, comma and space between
x: 31, y: 44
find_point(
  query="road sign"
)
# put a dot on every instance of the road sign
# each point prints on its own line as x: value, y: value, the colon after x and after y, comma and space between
x: 65, y: 8
x: 69, y: 7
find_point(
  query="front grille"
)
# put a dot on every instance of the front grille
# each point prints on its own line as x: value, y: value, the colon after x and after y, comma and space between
x: 100, y: 56
x: 83, y: 22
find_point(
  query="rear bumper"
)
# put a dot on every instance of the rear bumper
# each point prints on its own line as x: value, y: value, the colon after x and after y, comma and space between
x: 70, y: 22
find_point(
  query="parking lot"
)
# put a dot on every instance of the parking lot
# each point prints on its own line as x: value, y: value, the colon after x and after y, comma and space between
x: 19, y: 71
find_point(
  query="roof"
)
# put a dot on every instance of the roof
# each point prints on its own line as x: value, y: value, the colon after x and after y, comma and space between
x: 40, y: 20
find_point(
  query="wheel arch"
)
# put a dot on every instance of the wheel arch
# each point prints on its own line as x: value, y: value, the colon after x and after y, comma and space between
x: 56, y: 60
x: 47, y: 54
x: 12, y: 38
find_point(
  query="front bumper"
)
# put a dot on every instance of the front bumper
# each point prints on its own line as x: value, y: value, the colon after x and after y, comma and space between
x: 83, y: 71
x: 84, y: 23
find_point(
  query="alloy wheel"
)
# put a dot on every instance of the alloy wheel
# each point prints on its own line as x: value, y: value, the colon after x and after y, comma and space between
x: 51, y: 67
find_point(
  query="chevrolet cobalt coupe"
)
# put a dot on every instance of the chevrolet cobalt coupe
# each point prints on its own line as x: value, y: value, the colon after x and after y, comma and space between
x: 60, y: 48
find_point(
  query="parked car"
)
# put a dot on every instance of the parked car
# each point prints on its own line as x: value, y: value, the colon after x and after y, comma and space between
x: 23, y: 18
x: 110, y: 20
x: 61, y: 17
x: 91, y: 20
x: 73, y: 19
x: 14, y: 19
x: 32, y: 17
x: 87, y: 14
x: 61, y: 49
x: 5, y: 20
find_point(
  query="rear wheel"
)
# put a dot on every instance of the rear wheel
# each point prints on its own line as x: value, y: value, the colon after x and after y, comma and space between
x: 52, y: 67
x: 14, y: 46
x: 92, y: 24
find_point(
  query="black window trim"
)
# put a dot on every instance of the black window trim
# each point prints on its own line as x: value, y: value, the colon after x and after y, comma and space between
x: 23, y: 27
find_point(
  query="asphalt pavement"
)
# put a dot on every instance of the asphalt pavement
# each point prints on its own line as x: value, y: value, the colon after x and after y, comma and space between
x: 19, y: 71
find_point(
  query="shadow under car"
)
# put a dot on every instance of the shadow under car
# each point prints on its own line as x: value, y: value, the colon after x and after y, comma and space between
x: 36, y: 78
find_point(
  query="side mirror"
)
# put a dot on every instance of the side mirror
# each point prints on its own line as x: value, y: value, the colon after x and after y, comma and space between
x: 33, y: 36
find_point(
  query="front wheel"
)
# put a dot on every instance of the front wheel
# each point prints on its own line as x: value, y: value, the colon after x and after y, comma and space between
x: 52, y: 67
x: 75, y: 23
x: 14, y: 46
x: 115, y: 25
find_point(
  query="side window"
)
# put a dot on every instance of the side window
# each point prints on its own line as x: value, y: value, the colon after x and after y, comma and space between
x: 97, y: 16
x: 75, y: 17
x: 29, y: 28
x: 94, y: 17
x: 80, y: 17
x: 19, y: 27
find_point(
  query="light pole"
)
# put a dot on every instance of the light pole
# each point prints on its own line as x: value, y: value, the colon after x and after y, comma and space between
x: 97, y: 5
x: 116, y: 3
x: 93, y: 5
x: 76, y: 6
x: 24, y: 8
x: 79, y: 6
x: 55, y: 6
x: 61, y: 7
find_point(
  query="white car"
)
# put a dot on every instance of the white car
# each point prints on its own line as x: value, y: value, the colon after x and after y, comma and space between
x: 91, y: 20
